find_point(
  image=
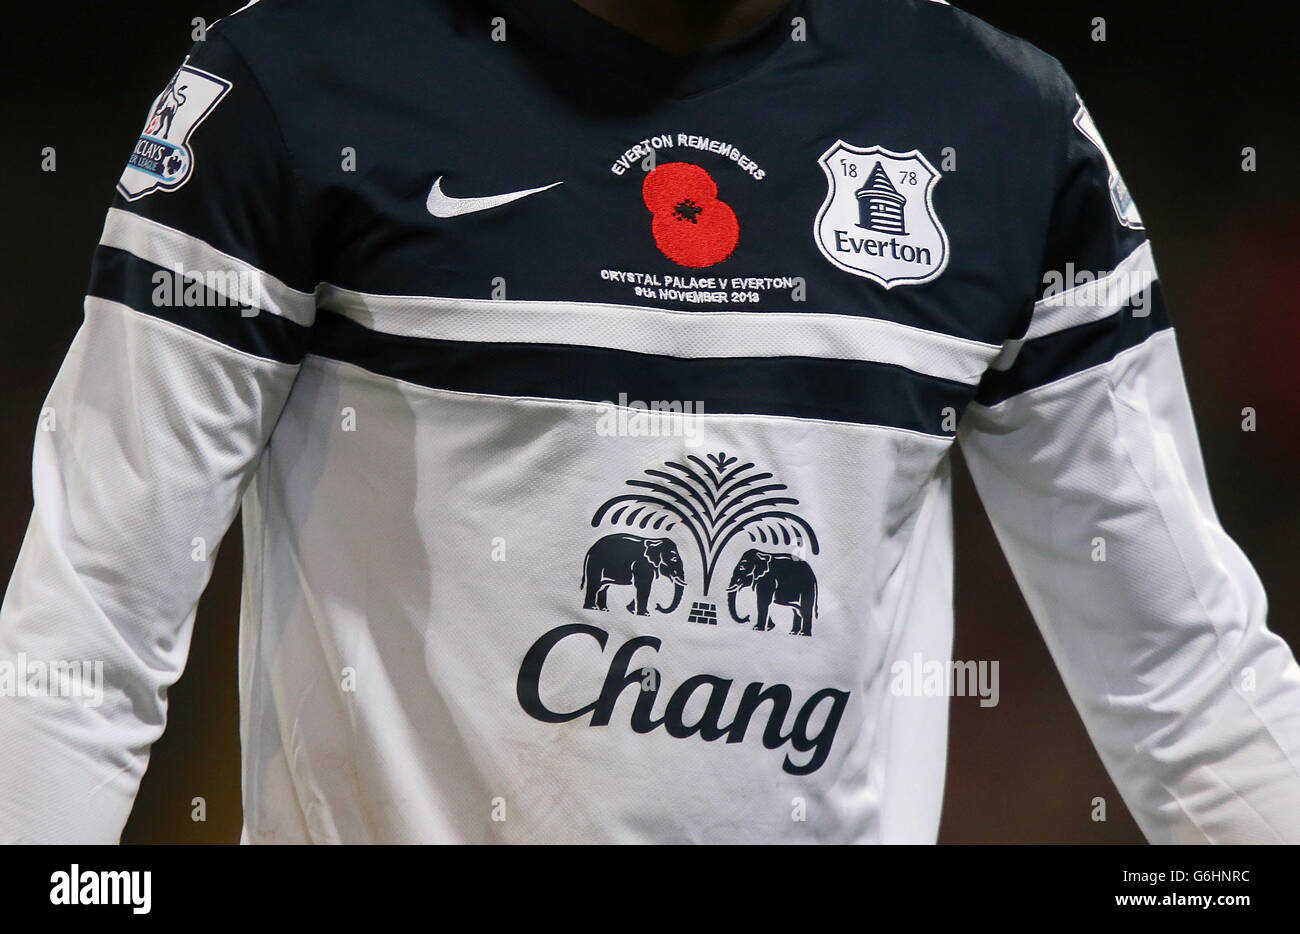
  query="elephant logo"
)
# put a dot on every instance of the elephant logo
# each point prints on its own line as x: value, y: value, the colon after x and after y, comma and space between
x: 775, y: 578
x: 630, y: 559
x: 708, y: 502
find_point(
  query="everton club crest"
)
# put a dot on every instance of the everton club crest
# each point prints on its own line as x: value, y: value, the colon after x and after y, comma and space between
x: 878, y: 219
x: 162, y: 159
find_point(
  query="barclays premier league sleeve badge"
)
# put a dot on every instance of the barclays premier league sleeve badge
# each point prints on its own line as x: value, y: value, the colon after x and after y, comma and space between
x: 162, y: 160
x: 1120, y: 198
x: 878, y: 219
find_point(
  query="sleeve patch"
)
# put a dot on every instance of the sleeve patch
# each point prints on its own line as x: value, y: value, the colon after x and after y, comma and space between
x: 1120, y: 197
x: 162, y: 159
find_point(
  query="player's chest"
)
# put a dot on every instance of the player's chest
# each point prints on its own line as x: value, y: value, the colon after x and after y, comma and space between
x: 690, y: 210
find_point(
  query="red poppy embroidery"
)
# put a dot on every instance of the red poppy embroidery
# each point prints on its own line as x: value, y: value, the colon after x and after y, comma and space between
x: 691, y: 226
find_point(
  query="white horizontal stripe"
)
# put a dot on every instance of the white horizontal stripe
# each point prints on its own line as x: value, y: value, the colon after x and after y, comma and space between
x: 1085, y: 303
x: 168, y: 247
x: 667, y: 332
x: 1092, y: 301
x: 1149, y: 344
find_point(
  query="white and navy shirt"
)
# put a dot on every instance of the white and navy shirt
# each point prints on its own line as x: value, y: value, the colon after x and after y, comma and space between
x: 591, y: 412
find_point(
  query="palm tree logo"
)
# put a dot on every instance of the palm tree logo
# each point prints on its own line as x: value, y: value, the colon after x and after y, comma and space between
x: 715, y: 498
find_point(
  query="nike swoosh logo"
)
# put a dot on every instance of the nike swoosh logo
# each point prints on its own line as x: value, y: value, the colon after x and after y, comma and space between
x: 443, y: 205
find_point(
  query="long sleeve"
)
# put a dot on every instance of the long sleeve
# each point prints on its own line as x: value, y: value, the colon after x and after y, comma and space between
x: 1084, y: 451
x: 197, y: 315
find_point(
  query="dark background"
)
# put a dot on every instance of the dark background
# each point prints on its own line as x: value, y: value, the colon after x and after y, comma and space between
x: 1177, y: 89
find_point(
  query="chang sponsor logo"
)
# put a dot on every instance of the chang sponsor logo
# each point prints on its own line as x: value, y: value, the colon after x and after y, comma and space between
x: 807, y: 725
x: 707, y: 508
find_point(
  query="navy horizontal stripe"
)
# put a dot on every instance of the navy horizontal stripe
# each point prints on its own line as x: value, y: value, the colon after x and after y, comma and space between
x: 121, y: 276
x: 794, y: 387
x: 1072, y: 350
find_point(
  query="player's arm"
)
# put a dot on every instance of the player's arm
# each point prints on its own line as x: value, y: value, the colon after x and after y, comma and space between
x: 1085, y: 454
x: 149, y: 435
